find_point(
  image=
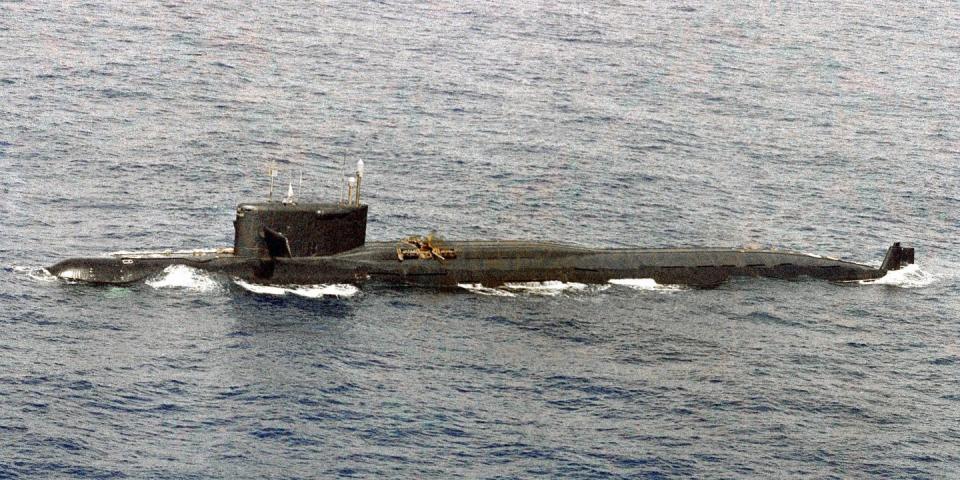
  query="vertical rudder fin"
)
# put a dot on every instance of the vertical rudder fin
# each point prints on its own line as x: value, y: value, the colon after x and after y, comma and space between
x: 897, y: 257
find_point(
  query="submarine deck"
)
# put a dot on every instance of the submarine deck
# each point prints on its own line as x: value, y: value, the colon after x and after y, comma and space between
x: 491, y: 263
x: 518, y: 249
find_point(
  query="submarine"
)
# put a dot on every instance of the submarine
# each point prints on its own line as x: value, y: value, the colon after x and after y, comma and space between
x: 285, y: 242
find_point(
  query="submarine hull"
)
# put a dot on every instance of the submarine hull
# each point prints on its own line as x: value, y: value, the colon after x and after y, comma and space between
x: 491, y: 264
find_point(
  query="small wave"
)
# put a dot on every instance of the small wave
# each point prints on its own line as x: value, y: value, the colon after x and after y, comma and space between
x: 550, y: 288
x: 645, y: 284
x: 317, y: 291
x: 38, y: 274
x: 184, y: 277
x: 910, y: 276
x: 479, y: 289
x: 340, y: 290
x: 261, y: 289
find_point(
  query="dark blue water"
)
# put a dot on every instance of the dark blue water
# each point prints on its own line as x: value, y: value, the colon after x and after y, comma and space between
x: 828, y: 128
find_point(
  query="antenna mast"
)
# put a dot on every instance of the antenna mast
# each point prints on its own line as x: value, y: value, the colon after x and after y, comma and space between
x: 359, y: 178
x: 289, y: 199
x: 351, y: 184
x: 272, y: 172
x: 343, y: 175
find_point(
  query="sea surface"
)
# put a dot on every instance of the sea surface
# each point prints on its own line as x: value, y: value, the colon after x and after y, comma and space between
x: 824, y: 127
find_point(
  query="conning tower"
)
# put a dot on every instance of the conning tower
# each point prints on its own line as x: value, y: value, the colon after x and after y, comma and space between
x: 274, y: 229
x: 288, y: 229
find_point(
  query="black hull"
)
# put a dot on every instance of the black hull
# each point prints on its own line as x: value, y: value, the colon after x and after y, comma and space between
x: 491, y: 264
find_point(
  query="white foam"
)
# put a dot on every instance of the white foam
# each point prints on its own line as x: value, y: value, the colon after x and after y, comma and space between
x: 340, y: 290
x: 648, y: 284
x: 260, y: 289
x: 910, y: 276
x: 479, y: 289
x: 38, y: 274
x: 550, y: 288
x: 184, y: 277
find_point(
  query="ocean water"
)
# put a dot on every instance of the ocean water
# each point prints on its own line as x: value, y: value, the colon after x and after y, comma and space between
x: 830, y: 128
